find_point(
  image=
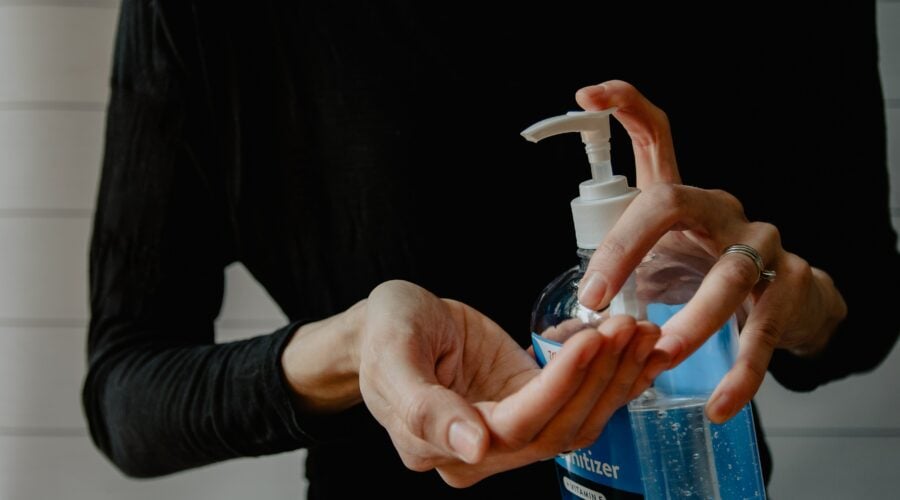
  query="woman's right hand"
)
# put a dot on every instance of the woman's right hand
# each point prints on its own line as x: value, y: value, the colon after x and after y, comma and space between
x: 799, y: 311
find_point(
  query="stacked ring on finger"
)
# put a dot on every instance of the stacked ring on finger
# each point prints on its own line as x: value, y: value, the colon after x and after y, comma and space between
x: 739, y: 248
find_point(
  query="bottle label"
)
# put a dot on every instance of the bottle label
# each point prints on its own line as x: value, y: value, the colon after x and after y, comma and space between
x: 609, y: 468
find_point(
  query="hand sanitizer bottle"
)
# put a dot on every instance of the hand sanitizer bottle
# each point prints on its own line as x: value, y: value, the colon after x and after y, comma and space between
x: 609, y: 468
x: 662, y: 445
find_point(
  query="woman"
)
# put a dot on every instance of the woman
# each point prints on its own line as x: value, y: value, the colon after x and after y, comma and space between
x: 336, y: 149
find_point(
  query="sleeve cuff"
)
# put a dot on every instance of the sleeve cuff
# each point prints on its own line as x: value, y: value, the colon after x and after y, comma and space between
x: 309, y: 429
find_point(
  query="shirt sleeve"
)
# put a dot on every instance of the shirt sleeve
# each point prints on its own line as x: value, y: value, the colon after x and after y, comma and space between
x: 843, y: 224
x: 160, y: 395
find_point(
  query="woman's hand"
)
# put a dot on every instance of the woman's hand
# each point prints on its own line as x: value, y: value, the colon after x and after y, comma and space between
x: 456, y: 393
x: 799, y: 310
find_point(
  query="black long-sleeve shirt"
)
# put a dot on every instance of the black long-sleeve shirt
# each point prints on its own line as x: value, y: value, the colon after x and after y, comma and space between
x: 330, y: 146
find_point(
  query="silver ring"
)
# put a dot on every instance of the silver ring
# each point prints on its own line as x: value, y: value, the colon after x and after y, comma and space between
x: 764, y: 274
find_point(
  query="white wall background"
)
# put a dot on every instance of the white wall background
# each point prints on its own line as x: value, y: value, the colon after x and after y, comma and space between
x: 842, y: 441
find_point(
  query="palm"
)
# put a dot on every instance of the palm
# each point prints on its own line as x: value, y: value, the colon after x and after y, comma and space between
x: 485, y: 364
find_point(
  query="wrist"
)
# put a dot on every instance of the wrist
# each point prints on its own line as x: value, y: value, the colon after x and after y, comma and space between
x: 320, y: 362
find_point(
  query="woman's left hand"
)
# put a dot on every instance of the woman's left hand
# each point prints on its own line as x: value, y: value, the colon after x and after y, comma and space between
x: 798, y: 310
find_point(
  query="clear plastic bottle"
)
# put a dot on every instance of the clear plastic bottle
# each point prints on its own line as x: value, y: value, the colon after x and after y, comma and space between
x: 661, y: 445
x: 682, y: 453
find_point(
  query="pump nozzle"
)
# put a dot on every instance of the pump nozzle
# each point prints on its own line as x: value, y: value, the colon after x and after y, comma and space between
x: 602, y: 199
x: 594, y: 128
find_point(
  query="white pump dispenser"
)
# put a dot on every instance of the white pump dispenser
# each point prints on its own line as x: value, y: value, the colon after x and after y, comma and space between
x: 609, y: 467
x: 604, y: 197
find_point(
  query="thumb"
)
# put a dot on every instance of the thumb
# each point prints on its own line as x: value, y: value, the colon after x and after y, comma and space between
x: 444, y: 419
x: 646, y: 124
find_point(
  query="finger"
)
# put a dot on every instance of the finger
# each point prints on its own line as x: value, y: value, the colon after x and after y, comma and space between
x: 722, y: 291
x: 461, y: 475
x: 416, y: 453
x: 564, y: 330
x: 444, y: 419
x: 658, y: 209
x: 758, y: 340
x: 518, y: 418
x: 646, y: 124
x: 630, y: 365
x: 426, y: 410
x: 562, y: 430
x: 658, y: 362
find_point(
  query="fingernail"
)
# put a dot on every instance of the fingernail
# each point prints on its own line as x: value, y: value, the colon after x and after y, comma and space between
x: 671, y: 345
x: 465, y: 439
x: 719, y: 408
x: 599, y: 89
x: 617, y: 338
x: 591, y: 290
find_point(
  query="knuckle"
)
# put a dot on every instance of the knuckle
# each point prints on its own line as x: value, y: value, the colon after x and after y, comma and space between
x: 667, y: 195
x: 729, y: 201
x: 767, y: 230
x: 624, y: 87
x: 798, y: 268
